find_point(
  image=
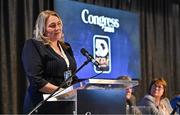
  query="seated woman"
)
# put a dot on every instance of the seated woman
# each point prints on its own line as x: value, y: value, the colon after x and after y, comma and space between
x: 155, y: 99
x: 130, y: 98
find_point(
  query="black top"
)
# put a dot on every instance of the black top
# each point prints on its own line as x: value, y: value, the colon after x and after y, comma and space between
x: 42, y: 65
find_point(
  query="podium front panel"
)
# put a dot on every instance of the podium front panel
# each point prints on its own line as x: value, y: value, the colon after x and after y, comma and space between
x: 101, y: 102
x: 57, y: 107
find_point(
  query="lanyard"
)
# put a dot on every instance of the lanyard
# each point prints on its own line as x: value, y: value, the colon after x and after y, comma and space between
x: 64, y: 56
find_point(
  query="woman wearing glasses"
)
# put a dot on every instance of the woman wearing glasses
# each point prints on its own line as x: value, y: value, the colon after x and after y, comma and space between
x: 155, y: 100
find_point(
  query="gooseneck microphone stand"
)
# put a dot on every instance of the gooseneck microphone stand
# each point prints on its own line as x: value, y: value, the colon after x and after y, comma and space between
x: 60, y: 86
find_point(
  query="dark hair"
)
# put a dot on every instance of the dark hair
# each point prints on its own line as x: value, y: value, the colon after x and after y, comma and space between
x: 160, y: 81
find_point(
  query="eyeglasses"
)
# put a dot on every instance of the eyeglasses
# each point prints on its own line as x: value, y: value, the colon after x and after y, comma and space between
x: 157, y: 86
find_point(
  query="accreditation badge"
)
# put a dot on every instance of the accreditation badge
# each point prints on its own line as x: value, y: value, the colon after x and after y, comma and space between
x: 68, y: 74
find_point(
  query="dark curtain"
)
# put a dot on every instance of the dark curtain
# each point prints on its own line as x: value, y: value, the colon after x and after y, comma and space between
x: 17, y: 21
x: 159, y: 37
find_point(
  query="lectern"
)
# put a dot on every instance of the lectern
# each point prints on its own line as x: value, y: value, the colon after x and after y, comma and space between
x: 92, y: 96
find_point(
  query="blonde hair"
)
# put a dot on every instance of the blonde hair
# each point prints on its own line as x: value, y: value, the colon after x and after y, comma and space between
x: 39, y: 31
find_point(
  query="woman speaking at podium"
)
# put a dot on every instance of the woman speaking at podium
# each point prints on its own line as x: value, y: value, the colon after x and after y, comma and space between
x: 47, y: 59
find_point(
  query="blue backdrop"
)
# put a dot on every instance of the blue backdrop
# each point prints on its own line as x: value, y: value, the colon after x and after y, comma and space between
x: 85, y: 25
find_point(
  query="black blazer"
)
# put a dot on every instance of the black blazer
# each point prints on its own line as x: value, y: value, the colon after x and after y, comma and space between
x: 43, y: 65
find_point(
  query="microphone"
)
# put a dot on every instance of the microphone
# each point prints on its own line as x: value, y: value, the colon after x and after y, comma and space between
x: 90, y: 57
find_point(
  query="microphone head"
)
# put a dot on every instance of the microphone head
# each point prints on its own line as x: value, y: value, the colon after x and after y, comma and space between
x: 83, y: 51
x: 90, y: 58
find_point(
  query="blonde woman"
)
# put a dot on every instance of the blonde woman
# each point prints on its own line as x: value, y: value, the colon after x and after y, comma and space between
x: 47, y: 59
